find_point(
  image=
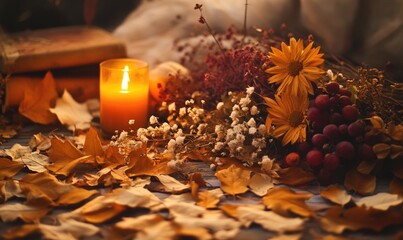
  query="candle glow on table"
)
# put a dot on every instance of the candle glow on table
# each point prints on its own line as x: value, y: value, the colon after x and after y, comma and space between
x: 124, y: 90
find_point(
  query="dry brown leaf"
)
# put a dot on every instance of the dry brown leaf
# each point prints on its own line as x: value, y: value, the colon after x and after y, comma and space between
x: 210, y: 199
x: 182, y: 198
x: 149, y: 227
x: 396, y: 131
x: 38, y: 100
x: 295, y: 176
x: 11, y: 211
x: 185, y: 209
x: 8, y: 132
x: 283, y: 200
x: 9, y: 168
x: 196, y: 181
x: 269, y: 220
x: 337, y: 220
x: 381, y: 150
x: 361, y: 183
x: 260, y: 184
x: 380, y: 201
x: 95, y: 211
x: 215, y: 221
x: 75, y: 195
x: 231, y: 209
x: 20, y: 232
x: 366, y: 167
x: 336, y: 194
x: 35, y: 161
x: 234, y: 180
x: 40, y: 142
x: 171, y: 184
x: 396, y: 186
x: 71, y: 113
x: 93, y: 145
x: 10, y: 188
x: 68, y: 229
x: 16, y: 151
x: 140, y: 164
x: 134, y: 197
x: 43, y: 186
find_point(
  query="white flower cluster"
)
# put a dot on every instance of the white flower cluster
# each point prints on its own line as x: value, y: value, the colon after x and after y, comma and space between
x: 243, y: 138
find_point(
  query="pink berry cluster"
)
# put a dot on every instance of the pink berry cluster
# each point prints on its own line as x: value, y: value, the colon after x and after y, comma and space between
x: 337, y: 138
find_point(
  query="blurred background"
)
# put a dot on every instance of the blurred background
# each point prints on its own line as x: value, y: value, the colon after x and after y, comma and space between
x: 365, y: 31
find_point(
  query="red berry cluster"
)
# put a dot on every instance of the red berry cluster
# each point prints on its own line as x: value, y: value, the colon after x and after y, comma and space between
x: 337, y: 137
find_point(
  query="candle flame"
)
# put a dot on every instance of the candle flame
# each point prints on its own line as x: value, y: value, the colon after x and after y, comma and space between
x: 125, y: 79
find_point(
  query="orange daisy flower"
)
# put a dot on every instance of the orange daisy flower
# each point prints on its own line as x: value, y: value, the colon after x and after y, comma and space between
x: 295, y: 67
x: 287, y: 114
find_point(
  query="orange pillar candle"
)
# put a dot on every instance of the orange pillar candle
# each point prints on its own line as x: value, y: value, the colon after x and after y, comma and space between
x: 124, y: 90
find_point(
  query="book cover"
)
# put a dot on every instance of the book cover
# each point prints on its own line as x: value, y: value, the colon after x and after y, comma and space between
x: 60, y: 47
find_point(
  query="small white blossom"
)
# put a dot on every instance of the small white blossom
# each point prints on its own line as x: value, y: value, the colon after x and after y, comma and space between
x: 252, y: 130
x: 244, y: 101
x: 254, y: 111
x: 218, y: 146
x: 182, y: 111
x: 122, y: 136
x: 203, y: 102
x: 262, y: 129
x: 251, y: 122
x: 220, y: 105
x: 165, y: 127
x: 329, y: 73
x: 172, y: 107
x: 153, y: 120
x: 212, y: 166
x: 131, y: 122
x: 171, y: 145
x: 180, y: 140
x: 250, y: 90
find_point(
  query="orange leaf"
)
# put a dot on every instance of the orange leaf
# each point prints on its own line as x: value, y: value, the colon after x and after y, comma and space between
x: 75, y: 195
x: 21, y: 232
x: 93, y: 145
x: 234, y: 180
x: 209, y: 199
x: 336, y: 194
x: 43, y: 186
x: 196, y: 181
x: 9, y: 168
x: 37, y: 101
x: 283, y: 200
x: 12, y: 211
x: 361, y: 183
x: 295, y: 176
x: 337, y: 220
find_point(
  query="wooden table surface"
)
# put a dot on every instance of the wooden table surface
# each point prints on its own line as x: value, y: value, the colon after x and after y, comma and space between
x: 254, y: 232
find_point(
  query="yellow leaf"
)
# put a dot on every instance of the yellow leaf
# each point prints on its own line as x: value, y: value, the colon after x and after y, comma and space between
x: 361, y: 183
x: 380, y: 201
x: 210, y: 199
x: 336, y: 194
x: 381, y: 150
x: 171, y: 184
x: 38, y: 100
x: 337, y: 220
x: 234, y: 180
x: 43, y: 185
x: 11, y: 211
x: 283, y: 200
x: 75, y: 195
x: 10, y: 188
x: 71, y: 113
x: 295, y: 176
x: 9, y: 168
x: 269, y: 220
x: 17, y: 151
x: 93, y: 145
x: 260, y: 184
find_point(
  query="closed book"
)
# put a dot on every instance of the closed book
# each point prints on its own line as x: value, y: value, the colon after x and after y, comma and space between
x: 60, y: 47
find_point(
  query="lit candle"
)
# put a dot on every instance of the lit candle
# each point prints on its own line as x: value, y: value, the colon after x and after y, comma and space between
x: 124, y: 87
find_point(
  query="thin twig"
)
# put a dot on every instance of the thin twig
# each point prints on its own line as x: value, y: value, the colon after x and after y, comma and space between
x: 245, y: 30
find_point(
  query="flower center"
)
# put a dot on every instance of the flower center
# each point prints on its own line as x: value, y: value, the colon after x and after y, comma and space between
x: 296, y: 118
x: 294, y: 68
